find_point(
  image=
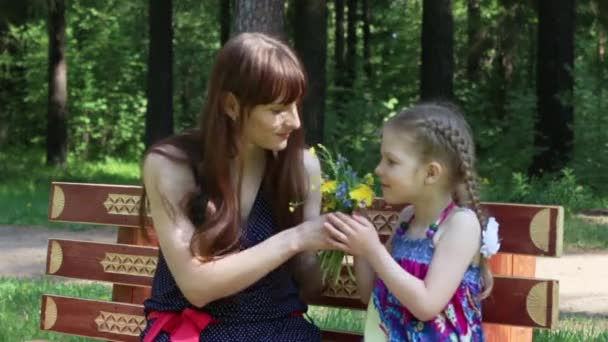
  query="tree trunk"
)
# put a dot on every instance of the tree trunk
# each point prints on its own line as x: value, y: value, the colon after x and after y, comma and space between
x: 474, y: 41
x: 437, y: 65
x: 159, y: 112
x: 367, y: 54
x: 57, y: 115
x: 511, y: 22
x: 554, y: 84
x: 339, y: 43
x: 266, y: 16
x: 224, y: 18
x: 310, y: 37
x: 339, y: 72
x: 351, y: 44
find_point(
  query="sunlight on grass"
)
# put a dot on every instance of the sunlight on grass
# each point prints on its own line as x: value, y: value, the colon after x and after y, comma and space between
x: 20, y: 301
x: 25, y: 183
x: 576, y: 328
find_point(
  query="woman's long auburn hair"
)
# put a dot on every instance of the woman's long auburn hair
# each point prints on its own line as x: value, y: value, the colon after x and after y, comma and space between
x: 256, y: 69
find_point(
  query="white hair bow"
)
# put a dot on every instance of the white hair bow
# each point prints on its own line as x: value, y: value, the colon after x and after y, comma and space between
x: 490, y: 243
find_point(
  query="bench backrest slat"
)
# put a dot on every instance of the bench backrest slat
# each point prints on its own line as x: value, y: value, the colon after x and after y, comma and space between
x: 517, y: 301
x: 525, y: 229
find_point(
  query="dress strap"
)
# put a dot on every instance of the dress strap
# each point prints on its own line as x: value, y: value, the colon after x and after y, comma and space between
x: 445, y: 213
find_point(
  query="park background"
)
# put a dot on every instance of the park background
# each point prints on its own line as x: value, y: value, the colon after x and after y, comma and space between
x: 86, y: 85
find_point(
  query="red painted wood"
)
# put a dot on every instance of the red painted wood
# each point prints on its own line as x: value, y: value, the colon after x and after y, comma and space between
x: 514, y: 219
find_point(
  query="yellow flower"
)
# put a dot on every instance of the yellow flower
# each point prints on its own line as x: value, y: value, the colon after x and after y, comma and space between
x: 363, y: 195
x: 328, y: 187
x: 328, y: 205
x: 312, y: 151
x: 294, y: 205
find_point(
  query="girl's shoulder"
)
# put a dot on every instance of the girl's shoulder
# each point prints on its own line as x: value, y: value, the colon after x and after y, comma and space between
x: 462, y: 223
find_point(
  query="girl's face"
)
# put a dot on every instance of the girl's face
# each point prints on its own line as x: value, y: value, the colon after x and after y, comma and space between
x: 402, y: 174
x: 269, y: 126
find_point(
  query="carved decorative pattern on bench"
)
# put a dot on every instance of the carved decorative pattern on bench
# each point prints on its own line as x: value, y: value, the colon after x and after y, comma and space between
x: 129, y: 264
x: 123, y: 324
x: 120, y: 204
x: 540, y: 229
x: 55, y: 258
x: 344, y: 287
x: 384, y: 221
x: 525, y: 229
x: 58, y: 202
x: 50, y: 314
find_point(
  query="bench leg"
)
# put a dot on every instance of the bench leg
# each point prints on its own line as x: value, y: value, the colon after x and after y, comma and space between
x: 510, y: 265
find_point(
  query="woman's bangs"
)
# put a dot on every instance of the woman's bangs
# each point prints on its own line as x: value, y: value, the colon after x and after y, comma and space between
x: 286, y: 79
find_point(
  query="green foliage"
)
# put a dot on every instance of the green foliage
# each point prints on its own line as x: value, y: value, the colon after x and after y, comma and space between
x: 25, y: 182
x: 107, y: 57
x: 20, y: 301
x: 563, y: 189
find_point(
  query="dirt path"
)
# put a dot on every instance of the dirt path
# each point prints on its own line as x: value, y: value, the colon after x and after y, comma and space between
x: 583, y: 277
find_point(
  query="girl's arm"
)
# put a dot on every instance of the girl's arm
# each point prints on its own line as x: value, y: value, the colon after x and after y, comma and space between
x: 454, y: 252
x: 364, y: 273
x: 166, y: 183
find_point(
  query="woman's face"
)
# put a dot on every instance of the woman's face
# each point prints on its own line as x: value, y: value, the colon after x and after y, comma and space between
x: 269, y: 126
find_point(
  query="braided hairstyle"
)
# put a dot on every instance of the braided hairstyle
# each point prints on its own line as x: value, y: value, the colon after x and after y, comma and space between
x: 442, y: 133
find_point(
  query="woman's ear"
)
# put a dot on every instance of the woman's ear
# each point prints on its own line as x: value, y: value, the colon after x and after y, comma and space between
x: 434, y: 170
x: 231, y: 106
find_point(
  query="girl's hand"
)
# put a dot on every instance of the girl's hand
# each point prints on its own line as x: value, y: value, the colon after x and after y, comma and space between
x: 355, y: 233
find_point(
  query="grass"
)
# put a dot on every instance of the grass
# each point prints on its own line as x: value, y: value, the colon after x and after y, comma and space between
x: 580, y: 235
x: 20, y: 305
x: 25, y: 183
x: 576, y: 328
x: 20, y: 301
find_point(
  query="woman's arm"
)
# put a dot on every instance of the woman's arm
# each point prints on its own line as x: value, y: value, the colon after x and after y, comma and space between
x: 307, y: 270
x: 365, y: 276
x: 166, y: 183
x: 454, y: 252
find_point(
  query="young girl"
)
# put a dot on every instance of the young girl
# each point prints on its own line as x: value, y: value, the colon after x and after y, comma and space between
x: 219, y: 198
x: 431, y: 279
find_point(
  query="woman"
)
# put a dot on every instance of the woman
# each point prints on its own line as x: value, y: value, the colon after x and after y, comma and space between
x: 221, y: 198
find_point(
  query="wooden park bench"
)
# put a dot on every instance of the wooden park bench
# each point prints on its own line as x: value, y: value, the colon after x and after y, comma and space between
x: 519, y: 301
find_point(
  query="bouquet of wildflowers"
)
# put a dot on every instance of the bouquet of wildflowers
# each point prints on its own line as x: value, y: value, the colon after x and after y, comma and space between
x: 342, y: 190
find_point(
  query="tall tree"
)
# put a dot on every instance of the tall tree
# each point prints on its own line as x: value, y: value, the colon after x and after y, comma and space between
x: 267, y: 16
x: 57, y: 114
x: 473, y: 38
x: 554, y: 135
x: 339, y: 42
x: 351, y: 43
x: 310, y: 38
x: 512, y: 21
x: 224, y: 18
x: 11, y: 13
x: 159, y: 112
x: 437, y: 67
x: 367, y: 53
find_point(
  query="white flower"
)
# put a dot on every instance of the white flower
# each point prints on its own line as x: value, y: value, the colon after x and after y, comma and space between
x: 490, y: 243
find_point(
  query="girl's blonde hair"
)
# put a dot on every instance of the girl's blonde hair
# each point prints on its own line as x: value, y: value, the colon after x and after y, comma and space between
x: 441, y: 132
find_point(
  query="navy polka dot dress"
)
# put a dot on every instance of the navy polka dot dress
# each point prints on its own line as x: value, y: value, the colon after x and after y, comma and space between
x: 265, y: 311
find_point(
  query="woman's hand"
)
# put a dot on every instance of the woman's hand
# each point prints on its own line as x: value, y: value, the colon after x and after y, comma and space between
x: 313, y: 236
x: 358, y: 236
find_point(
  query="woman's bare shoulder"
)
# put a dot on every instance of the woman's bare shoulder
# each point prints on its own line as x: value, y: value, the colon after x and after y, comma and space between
x: 166, y: 169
